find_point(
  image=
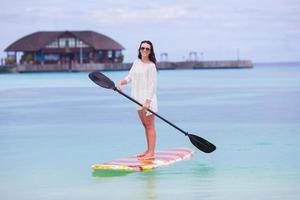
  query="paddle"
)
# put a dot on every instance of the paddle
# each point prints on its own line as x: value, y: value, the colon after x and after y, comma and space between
x: 103, y: 81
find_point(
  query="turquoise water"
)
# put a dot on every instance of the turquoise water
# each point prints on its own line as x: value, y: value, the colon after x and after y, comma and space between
x: 53, y: 126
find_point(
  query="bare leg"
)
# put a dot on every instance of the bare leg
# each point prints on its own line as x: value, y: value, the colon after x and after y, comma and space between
x: 142, y: 118
x: 151, y: 135
x: 148, y: 123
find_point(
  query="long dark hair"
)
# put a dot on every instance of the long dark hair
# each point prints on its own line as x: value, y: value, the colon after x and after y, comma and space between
x: 151, y: 55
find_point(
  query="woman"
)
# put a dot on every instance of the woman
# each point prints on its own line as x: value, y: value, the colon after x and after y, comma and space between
x: 143, y: 78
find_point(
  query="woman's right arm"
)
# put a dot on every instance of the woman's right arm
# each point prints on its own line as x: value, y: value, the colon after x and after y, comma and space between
x: 121, y: 84
x: 127, y: 79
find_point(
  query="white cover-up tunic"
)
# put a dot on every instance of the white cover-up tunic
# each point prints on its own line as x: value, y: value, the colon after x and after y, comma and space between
x: 143, y: 79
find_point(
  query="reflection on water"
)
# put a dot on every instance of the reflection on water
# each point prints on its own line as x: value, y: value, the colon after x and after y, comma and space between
x: 161, y: 183
x: 149, y: 191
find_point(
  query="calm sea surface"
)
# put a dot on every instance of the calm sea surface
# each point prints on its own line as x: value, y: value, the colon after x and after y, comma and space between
x: 53, y: 126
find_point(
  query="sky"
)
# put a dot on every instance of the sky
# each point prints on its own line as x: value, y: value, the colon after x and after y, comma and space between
x: 261, y: 31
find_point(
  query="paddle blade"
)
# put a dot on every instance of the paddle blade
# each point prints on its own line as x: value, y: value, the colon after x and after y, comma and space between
x: 101, y: 80
x: 201, y: 143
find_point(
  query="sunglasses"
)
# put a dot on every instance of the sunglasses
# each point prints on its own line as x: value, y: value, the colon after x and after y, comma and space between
x: 145, y: 49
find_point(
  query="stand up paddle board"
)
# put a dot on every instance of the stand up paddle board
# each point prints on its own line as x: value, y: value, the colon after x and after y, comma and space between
x: 134, y: 163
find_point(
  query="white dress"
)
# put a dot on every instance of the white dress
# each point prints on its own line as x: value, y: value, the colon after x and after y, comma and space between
x: 143, y: 79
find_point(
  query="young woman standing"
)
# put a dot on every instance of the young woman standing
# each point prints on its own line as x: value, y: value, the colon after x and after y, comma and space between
x: 143, y: 79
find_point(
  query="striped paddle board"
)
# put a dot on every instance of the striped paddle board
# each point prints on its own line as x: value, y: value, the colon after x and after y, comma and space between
x: 133, y: 163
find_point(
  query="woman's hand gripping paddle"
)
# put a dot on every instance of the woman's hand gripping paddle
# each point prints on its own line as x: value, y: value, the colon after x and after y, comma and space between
x: 103, y: 81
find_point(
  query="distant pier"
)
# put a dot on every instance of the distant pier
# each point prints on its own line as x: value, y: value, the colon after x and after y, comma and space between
x: 226, y: 64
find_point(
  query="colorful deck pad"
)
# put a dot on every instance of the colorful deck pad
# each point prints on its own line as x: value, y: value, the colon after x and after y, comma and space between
x: 133, y: 163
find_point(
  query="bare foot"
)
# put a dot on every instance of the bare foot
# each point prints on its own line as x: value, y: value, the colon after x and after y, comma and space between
x: 142, y: 154
x: 147, y: 156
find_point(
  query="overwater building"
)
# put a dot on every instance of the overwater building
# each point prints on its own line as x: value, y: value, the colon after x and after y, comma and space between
x: 65, y: 48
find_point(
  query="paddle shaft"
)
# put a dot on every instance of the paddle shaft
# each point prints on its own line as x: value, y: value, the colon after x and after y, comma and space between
x: 157, y: 115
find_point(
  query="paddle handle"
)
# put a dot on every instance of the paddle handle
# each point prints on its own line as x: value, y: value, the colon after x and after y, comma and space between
x: 157, y: 115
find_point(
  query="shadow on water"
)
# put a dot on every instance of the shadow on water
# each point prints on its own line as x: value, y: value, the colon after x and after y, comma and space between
x: 110, y: 173
x: 147, y: 189
x: 204, y: 171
